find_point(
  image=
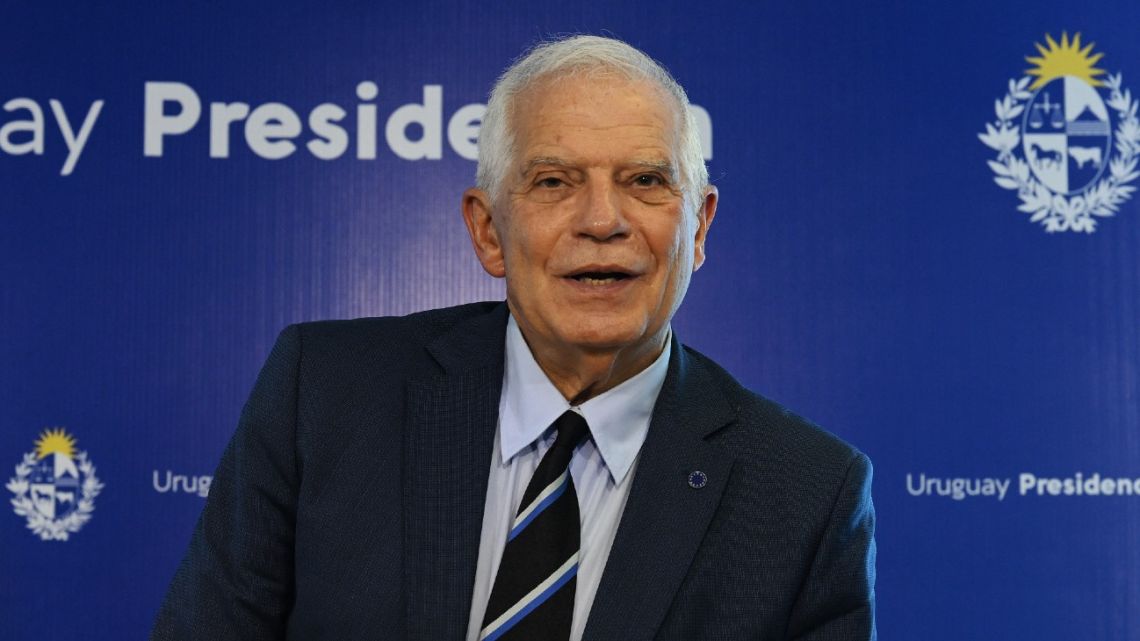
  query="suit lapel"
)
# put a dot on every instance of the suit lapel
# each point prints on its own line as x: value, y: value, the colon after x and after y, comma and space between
x: 447, y: 455
x: 665, y: 518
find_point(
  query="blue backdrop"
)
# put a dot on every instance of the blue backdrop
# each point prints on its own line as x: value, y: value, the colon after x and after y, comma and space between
x: 869, y: 266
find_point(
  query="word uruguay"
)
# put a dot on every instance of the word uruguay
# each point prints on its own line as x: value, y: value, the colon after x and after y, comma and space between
x: 270, y: 130
x: 181, y: 483
x: 1027, y: 484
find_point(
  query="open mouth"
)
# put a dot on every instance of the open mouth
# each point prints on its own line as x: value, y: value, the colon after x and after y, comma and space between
x: 600, y: 278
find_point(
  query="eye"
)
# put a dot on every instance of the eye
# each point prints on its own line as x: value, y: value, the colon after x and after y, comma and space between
x: 648, y: 180
x: 550, y: 182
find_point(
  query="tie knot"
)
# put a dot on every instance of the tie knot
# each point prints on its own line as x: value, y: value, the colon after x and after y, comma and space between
x: 572, y: 428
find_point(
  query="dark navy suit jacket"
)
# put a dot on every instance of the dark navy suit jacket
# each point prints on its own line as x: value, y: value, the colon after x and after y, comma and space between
x: 349, y: 503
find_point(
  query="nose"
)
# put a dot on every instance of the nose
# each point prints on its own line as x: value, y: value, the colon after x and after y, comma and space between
x: 600, y: 216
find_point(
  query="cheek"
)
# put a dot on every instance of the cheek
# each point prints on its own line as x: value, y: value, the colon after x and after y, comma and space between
x: 525, y: 248
x: 680, y: 267
x: 679, y: 248
x: 538, y: 238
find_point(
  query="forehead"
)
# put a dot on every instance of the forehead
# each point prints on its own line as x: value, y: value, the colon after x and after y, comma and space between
x: 594, y: 119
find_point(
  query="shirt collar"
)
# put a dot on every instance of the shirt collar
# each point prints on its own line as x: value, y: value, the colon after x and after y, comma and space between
x: 618, y: 418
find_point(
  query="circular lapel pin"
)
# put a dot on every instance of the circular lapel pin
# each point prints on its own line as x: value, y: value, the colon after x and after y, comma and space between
x: 698, y: 479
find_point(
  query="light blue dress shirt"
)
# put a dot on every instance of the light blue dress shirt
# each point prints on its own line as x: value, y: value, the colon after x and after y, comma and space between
x: 602, y: 467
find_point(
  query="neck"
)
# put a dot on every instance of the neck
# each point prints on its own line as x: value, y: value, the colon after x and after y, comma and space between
x: 581, y: 374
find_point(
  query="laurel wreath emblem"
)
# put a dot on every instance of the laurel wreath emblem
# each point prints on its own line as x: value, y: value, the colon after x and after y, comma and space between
x: 1054, y: 211
x: 54, y: 529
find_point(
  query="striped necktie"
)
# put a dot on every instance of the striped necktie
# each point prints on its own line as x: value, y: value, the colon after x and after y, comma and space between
x: 533, y: 595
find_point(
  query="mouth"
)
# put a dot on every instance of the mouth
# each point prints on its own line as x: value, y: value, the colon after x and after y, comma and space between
x: 599, y: 277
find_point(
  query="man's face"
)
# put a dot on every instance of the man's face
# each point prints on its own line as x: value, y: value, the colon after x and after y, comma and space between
x: 593, y: 232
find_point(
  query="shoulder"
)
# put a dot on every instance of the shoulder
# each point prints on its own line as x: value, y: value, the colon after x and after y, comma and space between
x: 417, y: 329
x: 363, y: 351
x: 391, y: 336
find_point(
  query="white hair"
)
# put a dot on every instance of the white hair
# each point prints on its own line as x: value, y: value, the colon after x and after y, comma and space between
x: 566, y: 57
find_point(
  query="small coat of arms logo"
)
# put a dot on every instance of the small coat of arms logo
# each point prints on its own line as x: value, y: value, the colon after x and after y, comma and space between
x: 55, y: 487
x: 1067, y: 138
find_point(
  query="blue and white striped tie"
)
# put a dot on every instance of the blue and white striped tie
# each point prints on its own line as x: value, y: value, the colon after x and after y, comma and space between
x: 533, y: 595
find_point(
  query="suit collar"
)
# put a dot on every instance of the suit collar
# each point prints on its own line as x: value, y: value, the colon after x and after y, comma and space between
x: 690, y: 395
x: 448, y: 438
x: 472, y: 344
x: 665, y: 517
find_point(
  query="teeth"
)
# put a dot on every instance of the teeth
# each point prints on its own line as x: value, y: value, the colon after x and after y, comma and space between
x: 597, y: 281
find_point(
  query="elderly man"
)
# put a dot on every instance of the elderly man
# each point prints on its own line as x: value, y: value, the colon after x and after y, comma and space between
x: 555, y: 467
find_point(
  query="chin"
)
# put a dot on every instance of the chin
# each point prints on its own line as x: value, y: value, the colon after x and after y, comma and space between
x: 599, y: 334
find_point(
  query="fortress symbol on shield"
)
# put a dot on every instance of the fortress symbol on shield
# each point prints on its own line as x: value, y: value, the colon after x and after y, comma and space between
x: 54, y: 487
x: 1067, y: 140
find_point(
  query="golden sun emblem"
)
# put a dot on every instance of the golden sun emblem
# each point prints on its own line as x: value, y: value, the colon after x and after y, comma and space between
x: 1064, y: 59
x: 55, y: 441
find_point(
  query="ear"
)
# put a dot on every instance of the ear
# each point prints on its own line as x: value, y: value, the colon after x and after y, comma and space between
x: 705, y: 217
x: 484, y: 237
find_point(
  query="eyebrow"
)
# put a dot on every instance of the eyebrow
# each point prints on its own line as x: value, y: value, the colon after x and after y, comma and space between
x: 662, y: 166
x: 543, y: 160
